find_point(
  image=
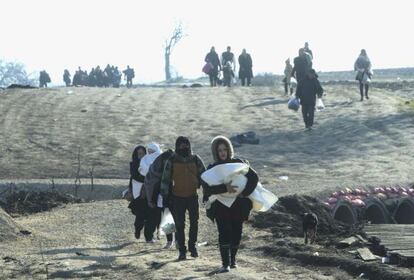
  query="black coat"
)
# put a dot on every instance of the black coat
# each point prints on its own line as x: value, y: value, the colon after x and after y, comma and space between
x: 227, y: 56
x: 307, y: 91
x: 301, y: 66
x: 246, y: 64
x: 213, y: 58
x: 240, y: 209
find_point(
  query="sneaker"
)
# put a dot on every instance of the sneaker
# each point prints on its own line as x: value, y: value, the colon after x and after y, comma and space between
x: 233, y: 266
x: 366, y: 96
x: 182, y: 256
x: 151, y: 241
x: 137, y: 234
x: 223, y: 269
x: 194, y: 252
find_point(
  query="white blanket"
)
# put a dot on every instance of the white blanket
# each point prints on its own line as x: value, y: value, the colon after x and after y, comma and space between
x: 136, y: 188
x: 261, y: 198
x: 149, y: 158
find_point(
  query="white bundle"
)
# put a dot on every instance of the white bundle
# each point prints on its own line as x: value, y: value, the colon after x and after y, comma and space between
x: 234, y: 173
x: 148, y: 159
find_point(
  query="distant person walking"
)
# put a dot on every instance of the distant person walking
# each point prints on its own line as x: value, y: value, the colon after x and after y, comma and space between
x: 229, y: 220
x: 301, y: 66
x: 308, y: 89
x: 129, y: 74
x: 245, y: 68
x: 288, y: 76
x: 364, y: 73
x: 308, y: 50
x: 213, y: 58
x: 229, y: 66
x: 44, y: 79
x: 66, y: 78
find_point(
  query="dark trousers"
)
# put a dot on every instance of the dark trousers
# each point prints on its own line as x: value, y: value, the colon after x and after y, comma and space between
x: 145, y: 218
x: 308, y: 112
x: 287, y: 86
x: 179, y: 207
x: 129, y: 82
x: 361, y: 90
x: 243, y: 81
x: 213, y: 75
x: 230, y: 232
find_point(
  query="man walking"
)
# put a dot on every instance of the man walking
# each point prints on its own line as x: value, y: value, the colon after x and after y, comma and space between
x: 182, y: 177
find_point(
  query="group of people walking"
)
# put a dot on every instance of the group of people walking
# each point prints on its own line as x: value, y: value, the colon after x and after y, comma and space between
x: 227, y: 64
x: 172, y: 181
x: 308, y: 87
x: 109, y: 77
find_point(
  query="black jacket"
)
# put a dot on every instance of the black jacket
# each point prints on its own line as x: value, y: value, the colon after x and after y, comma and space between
x: 307, y: 91
x: 213, y: 58
x: 245, y: 64
x: 227, y: 56
x: 301, y: 66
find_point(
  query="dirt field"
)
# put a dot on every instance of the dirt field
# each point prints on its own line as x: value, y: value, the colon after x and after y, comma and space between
x: 353, y: 143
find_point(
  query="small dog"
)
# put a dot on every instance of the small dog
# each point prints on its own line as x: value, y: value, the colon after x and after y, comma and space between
x: 310, y: 226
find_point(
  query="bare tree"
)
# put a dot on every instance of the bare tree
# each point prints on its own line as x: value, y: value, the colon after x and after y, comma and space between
x: 176, y: 37
x: 14, y: 73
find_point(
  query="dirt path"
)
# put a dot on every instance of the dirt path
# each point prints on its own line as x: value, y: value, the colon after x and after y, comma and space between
x: 96, y: 240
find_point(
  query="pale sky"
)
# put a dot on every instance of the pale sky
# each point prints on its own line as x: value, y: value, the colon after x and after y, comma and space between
x: 59, y: 34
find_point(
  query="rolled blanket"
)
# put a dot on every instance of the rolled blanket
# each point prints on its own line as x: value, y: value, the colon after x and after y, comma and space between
x: 261, y: 198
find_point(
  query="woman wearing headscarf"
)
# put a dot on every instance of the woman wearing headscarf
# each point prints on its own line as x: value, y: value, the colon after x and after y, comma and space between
x: 135, y: 189
x: 229, y: 220
x: 154, y: 213
x: 364, y: 73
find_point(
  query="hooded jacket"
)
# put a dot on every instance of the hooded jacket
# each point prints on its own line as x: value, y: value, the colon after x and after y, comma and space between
x: 158, y: 180
x: 242, y: 206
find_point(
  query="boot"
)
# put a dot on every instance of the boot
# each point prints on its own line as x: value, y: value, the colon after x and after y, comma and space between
x: 225, y: 257
x: 193, y: 251
x: 182, y: 256
x: 233, y: 253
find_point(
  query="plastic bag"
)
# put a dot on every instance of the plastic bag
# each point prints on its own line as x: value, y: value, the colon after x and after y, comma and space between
x: 207, y: 68
x: 319, y: 104
x: 365, y: 78
x: 262, y: 199
x: 167, y: 225
x: 294, y: 103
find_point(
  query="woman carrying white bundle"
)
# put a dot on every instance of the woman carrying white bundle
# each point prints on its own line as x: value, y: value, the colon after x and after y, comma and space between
x: 154, y: 151
x: 229, y: 219
x: 146, y: 217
